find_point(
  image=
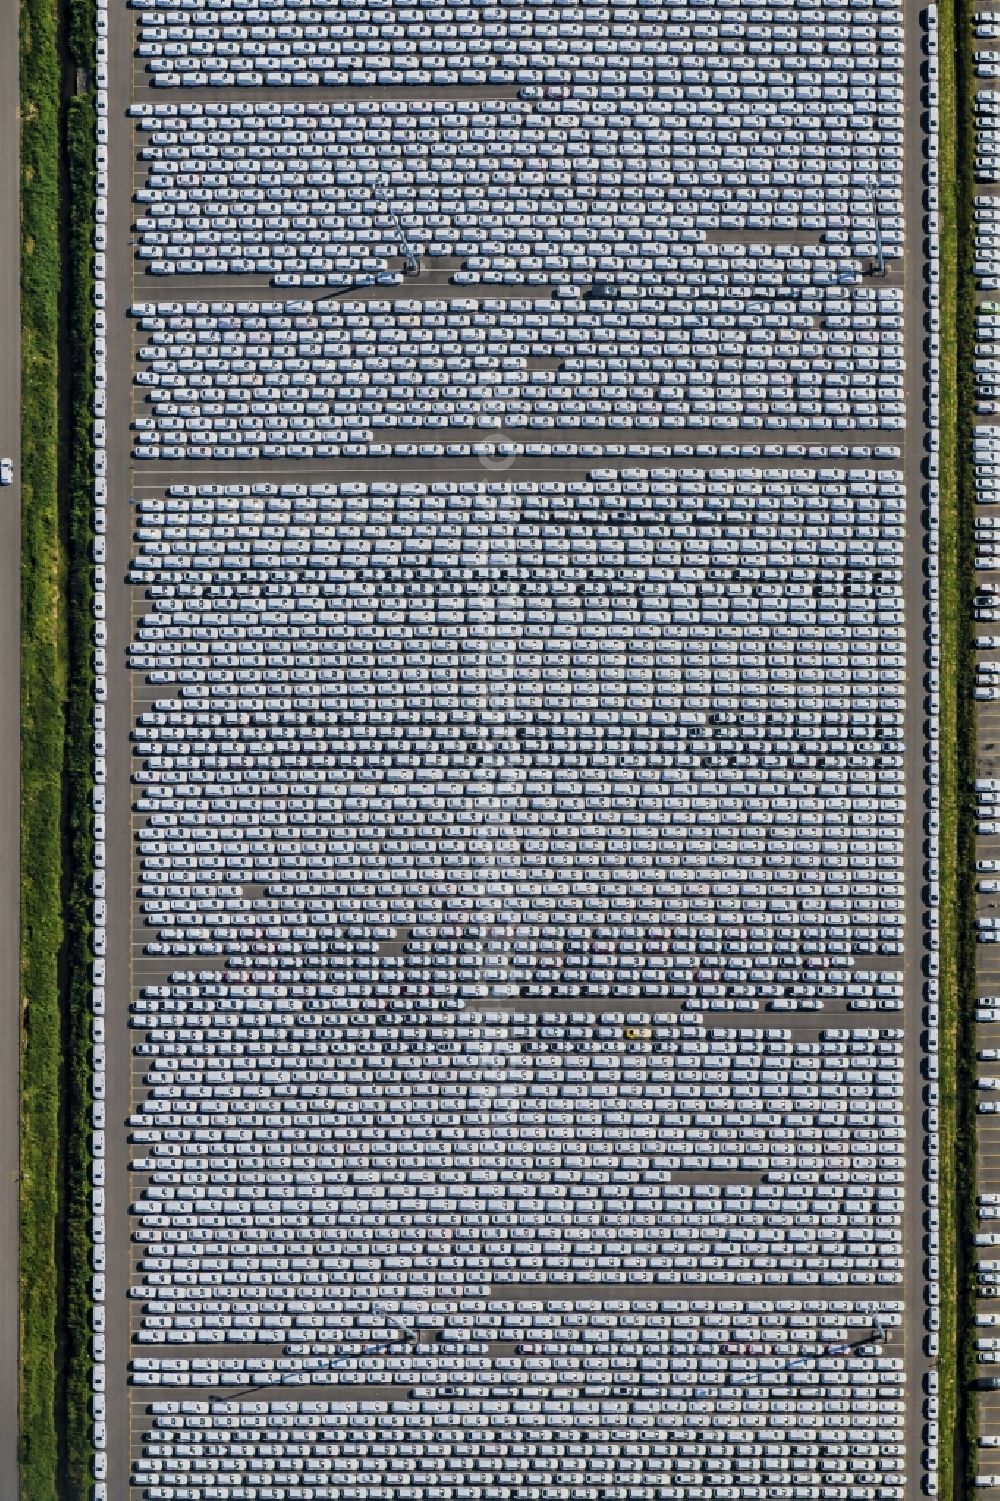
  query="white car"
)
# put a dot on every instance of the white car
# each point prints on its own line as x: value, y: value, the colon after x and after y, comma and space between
x: 6, y: 471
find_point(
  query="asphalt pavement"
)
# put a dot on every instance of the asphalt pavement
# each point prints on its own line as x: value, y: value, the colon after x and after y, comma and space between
x: 119, y: 718
x: 988, y: 983
x: 917, y: 1361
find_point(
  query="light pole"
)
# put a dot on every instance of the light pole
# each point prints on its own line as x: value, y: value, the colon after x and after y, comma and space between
x: 411, y: 261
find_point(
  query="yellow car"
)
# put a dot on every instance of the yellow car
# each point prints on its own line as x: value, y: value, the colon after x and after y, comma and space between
x: 639, y: 1034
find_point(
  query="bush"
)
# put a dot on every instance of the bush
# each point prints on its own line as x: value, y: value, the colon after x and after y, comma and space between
x: 957, y: 1115
x: 42, y: 690
x: 57, y: 746
x: 79, y: 763
x: 966, y: 1130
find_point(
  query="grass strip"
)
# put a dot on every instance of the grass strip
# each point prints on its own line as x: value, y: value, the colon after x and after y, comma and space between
x: 43, y: 675
x: 55, y: 1451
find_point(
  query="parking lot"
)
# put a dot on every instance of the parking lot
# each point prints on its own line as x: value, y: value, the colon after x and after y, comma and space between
x: 515, y: 755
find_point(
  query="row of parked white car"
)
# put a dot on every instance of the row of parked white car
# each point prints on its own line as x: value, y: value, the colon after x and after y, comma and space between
x: 270, y: 382
x: 987, y: 243
x: 464, y: 531
x: 555, y: 1099
x: 517, y: 190
x: 628, y: 1391
x: 394, y: 747
x: 559, y: 620
x: 931, y: 1219
x: 986, y: 452
x: 291, y: 533
x: 987, y: 108
x: 665, y: 48
x: 986, y: 457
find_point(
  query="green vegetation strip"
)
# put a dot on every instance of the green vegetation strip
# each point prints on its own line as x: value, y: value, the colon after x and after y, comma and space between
x: 948, y: 839
x: 57, y: 745
x: 79, y: 767
x: 57, y: 741
x: 958, y: 1406
x: 42, y: 694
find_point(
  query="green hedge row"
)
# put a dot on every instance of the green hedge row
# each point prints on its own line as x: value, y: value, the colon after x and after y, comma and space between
x: 966, y: 1427
x: 80, y: 21
x: 57, y: 271
x: 79, y: 763
x: 951, y: 608
x: 43, y: 673
x: 949, y: 615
